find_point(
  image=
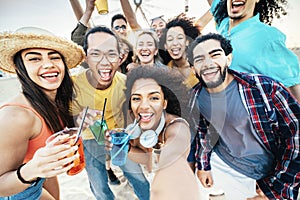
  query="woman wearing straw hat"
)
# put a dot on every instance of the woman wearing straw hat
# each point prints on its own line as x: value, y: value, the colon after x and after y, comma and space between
x: 41, y: 60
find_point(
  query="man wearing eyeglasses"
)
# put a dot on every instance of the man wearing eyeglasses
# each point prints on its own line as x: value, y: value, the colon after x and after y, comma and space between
x: 93, y: 85
x: 119, y: 25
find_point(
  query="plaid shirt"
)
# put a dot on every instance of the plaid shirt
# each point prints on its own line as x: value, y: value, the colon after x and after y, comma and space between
x: 275, y: 116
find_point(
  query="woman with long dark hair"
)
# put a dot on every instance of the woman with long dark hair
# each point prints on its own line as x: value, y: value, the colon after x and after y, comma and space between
x: 41, y: 60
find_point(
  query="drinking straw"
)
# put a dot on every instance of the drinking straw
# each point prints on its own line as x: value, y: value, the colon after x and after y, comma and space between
x: 126, y: 138
x: 81, y: 125
x: 103, y: 110
x: 129, y: 130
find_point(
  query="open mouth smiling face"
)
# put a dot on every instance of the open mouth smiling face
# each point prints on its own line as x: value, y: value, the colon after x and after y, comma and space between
x: 147, y: 102
x: 176, y: 42
x: 50, y: 76
x: 105, y: 74
x: 236, y: 6
x: 210, y: 73
x: 241, y: 9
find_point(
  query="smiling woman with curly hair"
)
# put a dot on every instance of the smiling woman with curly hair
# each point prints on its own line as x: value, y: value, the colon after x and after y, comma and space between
x: 160, y: 139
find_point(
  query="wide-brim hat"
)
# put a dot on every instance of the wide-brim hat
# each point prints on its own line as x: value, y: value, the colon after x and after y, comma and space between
x: 33, y: 37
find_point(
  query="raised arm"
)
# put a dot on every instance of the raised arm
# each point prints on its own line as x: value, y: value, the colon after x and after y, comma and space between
x: 78, y: 33
x: 90, y: 5
x: 203, y: 20
x: 210, y: 2
x: 129, y: 14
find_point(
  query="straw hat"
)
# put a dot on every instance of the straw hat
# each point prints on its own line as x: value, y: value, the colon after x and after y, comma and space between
x: 32, y: 37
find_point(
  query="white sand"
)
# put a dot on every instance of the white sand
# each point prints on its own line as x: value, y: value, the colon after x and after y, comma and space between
x: 72, y: 187
x: 77, y: 187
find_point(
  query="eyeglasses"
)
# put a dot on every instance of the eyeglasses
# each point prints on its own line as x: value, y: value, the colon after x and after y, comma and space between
x: 123, y: 27
x: 97, y: 56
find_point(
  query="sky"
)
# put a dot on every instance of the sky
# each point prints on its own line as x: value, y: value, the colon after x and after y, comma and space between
x: 58, y: 17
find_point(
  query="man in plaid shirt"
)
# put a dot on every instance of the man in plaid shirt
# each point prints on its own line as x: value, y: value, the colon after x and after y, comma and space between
x: 255, y: 122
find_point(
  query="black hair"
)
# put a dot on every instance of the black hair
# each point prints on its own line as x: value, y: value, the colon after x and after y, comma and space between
x: 56, y: 113
x: 225, y: 44
x: 186, y: 24
x: 171, y: 82
x: 129, y: 57
x: 117, y: 16
x: 268, y: 9
x: 100, y: 29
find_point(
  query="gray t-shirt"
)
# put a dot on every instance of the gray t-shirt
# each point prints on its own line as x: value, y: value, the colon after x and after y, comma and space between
x: 238, y: 144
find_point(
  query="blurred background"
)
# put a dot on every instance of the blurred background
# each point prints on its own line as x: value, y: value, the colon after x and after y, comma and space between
x: 58, y: 15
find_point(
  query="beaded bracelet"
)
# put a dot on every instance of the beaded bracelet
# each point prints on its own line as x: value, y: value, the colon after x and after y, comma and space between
x: 22, y: 179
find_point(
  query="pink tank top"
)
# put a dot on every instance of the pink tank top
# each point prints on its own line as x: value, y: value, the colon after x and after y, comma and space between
x: 37, y: 142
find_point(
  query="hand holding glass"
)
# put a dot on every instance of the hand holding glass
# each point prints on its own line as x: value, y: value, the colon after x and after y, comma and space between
x: 119, y: 151
x: 68, y: 136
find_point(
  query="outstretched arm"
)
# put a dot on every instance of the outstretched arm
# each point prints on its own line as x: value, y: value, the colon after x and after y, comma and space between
x: 129, y: 14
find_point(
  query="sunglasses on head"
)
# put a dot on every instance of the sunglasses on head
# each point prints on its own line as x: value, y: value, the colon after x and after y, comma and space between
x: 123, y: 27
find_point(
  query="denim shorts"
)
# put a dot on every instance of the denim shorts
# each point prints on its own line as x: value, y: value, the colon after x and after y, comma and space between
x: 33, y: 192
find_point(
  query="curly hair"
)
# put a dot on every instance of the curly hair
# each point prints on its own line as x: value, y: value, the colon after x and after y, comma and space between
x: 268, y: 10
x: 171, y: 82
x: 185, y: 23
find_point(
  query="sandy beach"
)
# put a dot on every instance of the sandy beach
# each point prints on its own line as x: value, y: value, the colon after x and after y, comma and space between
x: 77, y: 187
x: 74, y: 187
